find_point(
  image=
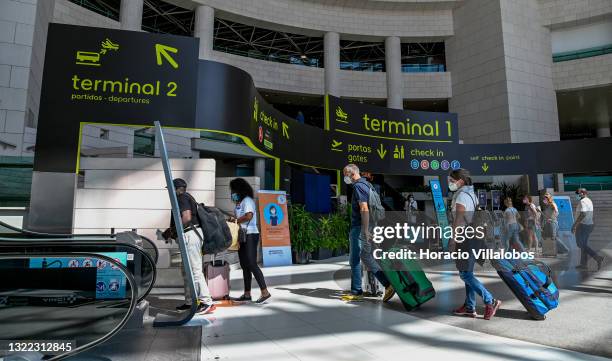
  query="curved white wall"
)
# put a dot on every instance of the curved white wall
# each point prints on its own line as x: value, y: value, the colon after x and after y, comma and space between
x: 367, y: 19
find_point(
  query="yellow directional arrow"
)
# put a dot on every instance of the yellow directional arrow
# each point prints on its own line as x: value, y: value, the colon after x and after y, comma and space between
x: 162, y: 50
x: 381, y: 152
x: 285, y: 130
x: 485, y: 167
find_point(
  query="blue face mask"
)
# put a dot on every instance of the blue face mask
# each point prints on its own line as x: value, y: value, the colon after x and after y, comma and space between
x: 235, y: 197
x: 578, y: 197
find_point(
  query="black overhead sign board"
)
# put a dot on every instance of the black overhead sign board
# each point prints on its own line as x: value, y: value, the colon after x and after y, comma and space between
x: 110, y: 76
x: 121, y: 77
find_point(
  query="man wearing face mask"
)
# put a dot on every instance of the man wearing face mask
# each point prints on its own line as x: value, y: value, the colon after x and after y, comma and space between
x: 582, y: 228
x: 193, y: 243
x: 360, y: 238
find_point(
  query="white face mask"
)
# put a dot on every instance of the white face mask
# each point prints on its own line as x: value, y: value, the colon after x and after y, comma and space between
x: 348, y: 180
x: 453, y: 187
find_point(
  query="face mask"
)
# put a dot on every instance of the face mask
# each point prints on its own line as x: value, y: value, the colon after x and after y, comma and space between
x: 453, y: 187
x: 525, y: 201
x: 348, y: 180
x: 578, y: 197
x: 545, y: 201
x: 235, y: 197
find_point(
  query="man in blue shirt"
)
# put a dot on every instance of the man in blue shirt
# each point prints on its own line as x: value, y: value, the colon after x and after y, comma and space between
x: 360, y: 238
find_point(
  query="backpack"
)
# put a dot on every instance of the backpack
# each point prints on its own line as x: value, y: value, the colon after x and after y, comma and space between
x: 217, y: 235
x: 375, y: 207
x: 482, y: 218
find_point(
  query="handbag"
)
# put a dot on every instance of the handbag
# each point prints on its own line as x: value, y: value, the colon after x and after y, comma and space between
x: 235, y: 231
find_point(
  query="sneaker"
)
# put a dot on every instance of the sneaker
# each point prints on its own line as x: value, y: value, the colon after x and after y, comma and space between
x: 491, y: 309
x: 263, y: 299
x: 206, y: 308
x: 183, y: 307
x: 389, y: 293
x: 351, y: 297
x: 464, y: 311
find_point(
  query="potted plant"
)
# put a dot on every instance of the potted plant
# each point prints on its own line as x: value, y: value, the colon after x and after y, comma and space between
x: 303, y: 231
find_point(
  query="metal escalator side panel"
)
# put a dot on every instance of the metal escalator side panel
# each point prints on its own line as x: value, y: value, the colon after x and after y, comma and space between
x: 143, y: 281
x: 63, y: 305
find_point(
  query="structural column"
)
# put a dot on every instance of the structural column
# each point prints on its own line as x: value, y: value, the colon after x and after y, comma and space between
x: 393, y: 65
x: 260, y: 171
x: 204, y: 29
x: 602, y: 115
x: 130, y: 14
x: 331, y: 42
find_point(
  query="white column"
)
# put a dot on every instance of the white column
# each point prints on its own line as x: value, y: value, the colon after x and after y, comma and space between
x: 260, y: 171
x: 331, y: 42
x: 130, y: 14
x: 602, y: 118
x: 393, y: 64
x: 204, y: 29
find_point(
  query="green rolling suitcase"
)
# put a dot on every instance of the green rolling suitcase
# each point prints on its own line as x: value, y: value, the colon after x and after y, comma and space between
x: 409, y: 281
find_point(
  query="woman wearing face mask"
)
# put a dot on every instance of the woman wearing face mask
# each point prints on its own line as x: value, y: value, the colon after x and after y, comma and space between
x: 463, y: 206
x: 550, y: 213
x: 411, y: 207
x: 246, y: 215
x: 532, y: 218
x: 512, y: 228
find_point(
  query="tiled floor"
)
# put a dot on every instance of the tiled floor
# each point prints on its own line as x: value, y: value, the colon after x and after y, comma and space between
x: 306, y: 320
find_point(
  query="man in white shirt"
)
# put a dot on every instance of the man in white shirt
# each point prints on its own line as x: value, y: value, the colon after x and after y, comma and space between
x: 582, y: 228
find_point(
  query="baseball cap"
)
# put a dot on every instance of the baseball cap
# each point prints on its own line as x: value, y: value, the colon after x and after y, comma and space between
x: 179, y: 182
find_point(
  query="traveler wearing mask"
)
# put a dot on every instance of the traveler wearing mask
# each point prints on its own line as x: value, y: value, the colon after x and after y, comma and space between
x: 550, y: 213
x: 193, y: 244
x: 463, y: 206
x: 512, y: 228
x: 582, y: 228
x: 533, y: 221
x: 360, y: 238
x: 411, y: 207
x: 246, y: 215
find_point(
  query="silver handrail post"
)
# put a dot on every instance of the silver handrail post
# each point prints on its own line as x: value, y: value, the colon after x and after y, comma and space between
x: 184, y: 317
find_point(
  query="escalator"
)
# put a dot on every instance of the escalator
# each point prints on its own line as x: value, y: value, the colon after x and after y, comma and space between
x: 71, y: 291
x: 61, y: 294
x: 52, y: 313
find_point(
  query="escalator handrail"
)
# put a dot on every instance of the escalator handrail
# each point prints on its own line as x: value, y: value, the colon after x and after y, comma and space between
x: 73, y: 243
x: 53, y: 235
x: 154, y: 246
x: 119, y: 326
x: 76, y: 235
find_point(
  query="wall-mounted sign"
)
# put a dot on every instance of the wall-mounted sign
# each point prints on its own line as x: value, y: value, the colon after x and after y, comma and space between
x: 110, y: 76
x: 403, y: 126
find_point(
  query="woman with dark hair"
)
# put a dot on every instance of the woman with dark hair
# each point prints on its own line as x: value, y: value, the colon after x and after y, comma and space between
x: 246, y: 215
x: 533, y: 222
x: 463, y: 206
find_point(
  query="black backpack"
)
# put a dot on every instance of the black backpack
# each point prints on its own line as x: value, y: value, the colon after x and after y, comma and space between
x: 217, y: 235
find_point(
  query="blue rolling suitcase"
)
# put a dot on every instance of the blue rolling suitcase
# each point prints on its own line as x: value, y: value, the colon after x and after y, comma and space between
x: 531, y: 283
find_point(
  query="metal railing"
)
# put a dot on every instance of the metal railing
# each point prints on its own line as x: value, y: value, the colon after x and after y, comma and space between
x: 583, y: 53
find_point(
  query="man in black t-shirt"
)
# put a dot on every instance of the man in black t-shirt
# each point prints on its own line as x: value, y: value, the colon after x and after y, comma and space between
x: 193, y: 244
